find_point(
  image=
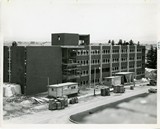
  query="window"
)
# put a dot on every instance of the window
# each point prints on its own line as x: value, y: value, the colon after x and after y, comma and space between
x: 139, y: 50
x: 86, y: 61
x: 92, y: 71
x: 81, y: 52
x: 97, y: 52
x: 124, y: 50
x: 115, y: 68
x: 139, y: 65
x: 131, y: 66
x: 87, y: 52
x: 105, y: 69
x: 73, y: 87
x: 131, y: 58
x: 84, y: 52
x: 59, y: 38
x: 131, y: 50
x: 139, y: 57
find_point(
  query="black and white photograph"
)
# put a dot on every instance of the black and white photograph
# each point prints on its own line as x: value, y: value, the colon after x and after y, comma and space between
x: 79, y: 62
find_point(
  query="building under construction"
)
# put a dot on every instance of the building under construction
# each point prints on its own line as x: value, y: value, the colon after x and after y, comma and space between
x: 70, y: 58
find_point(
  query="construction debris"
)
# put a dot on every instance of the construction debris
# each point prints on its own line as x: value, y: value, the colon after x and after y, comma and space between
x: 11, y: 89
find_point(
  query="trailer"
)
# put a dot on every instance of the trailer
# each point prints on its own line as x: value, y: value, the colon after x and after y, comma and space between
x: 126, y: 77
x: 63, y: 89
x: 112, y: 81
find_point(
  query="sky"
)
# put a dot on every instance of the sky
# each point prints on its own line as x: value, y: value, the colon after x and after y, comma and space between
x: 35, y: 20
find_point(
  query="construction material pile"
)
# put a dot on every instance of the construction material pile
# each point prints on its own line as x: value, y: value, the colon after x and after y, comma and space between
x: 151, y: 73
x: 58, y: 103
x: 11, y: 89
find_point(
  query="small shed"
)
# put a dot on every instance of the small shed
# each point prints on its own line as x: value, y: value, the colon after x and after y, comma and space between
x: 126, y: 77
x: 62, y: 89
x: 112, y: 81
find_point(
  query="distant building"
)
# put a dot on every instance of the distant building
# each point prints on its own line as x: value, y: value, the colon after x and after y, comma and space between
x: 70, y: 58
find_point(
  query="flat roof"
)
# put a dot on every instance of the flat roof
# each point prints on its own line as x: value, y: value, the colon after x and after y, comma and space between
x: 63, y: 84
x: 124, y: 72
x: 113, y: 77
x: 71, y: 46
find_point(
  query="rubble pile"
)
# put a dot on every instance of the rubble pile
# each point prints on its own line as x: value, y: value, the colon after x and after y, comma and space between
x: 18, y: 105
x: 151, y: 74
x: 11, y: 89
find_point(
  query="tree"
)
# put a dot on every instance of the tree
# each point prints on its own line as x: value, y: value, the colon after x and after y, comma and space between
x: 120, y: 42
x: 112, y: 42
x: 14, y: 43
x: 109, y: 41
x: 131, y: 42
x: 152, y: 58
x: 124, y: 43
x: 138, y: 43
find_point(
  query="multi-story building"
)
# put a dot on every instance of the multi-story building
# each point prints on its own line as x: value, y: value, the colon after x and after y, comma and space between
x: 70, y: 57
x: 100, y: 60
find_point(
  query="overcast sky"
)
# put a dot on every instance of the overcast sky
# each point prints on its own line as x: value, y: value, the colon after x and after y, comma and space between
x: 35, y: 20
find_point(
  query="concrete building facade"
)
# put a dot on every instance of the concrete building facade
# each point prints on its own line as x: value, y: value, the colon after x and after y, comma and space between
x: 94, y: 62
x: 70, y: 58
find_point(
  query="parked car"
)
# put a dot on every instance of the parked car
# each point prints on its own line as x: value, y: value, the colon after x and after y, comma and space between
x: 152, y: 90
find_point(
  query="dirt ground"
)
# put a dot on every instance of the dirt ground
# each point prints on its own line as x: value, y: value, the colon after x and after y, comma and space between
x: 16, y: 106
x: 20, y: 105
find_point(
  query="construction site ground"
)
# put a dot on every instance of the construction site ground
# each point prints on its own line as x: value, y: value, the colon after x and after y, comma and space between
x: 25, y: 109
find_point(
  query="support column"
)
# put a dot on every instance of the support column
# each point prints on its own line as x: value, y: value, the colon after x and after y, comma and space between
x: 89, y: 65
x: 128, y: 58
x: 120, y: 52
x: 135, y: 63
x: 111, y: 60
x: 101, y: 61
x: 9, y: 63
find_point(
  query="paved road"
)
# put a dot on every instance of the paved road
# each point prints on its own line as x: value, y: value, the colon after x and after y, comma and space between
x: 61, y: 116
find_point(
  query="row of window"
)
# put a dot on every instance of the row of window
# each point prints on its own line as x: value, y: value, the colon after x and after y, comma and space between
x: 84, y: 82
x: 96, y: 80
x: 106, y: 60
x: 83, y: 62
x: 131, y: 58
x: 139, y: 50
x: 124, y: 50
x: 82, y: 52
x: 95, y: 61
x: 139, y: 72
x: 123, y: 59
x: 93, y: 71
x: 105, y: 69
x: 105, y: 51
x: 139, y: 65
x: 131, y: 66
x: 115, y: 68
x: 115, y: 51
x: 123, y: 67
x: 84, y: 72
x: 139, y: 57
x: 95, y: 52
x: 115, y: 60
